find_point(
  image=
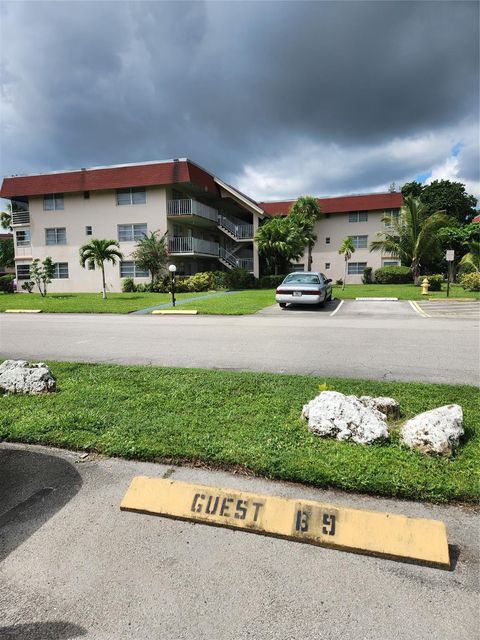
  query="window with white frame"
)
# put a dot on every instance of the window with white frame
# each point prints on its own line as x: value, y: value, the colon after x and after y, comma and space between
x: 327, y: 266
x: 56, y: 235
x: 23, y: 271
x: 391, y: 217
x: 358, y: 216
x: 297, y: 267
x: 88, y: 230
x: 60, y: 271
x: 359, y: 242
x: 132, y: 195
x: 327, y: 240
x: 53, y: 202
x: 356, y: 268
x: 22, y: 237
x: 391, y: 263
x: 131, y: 232
x: 129, y: 269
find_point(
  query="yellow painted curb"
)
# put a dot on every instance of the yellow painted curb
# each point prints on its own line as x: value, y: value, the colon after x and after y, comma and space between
x: 418, y: 308
x: 23, y: 311
x: 368, y: 532
x: 174, y: 312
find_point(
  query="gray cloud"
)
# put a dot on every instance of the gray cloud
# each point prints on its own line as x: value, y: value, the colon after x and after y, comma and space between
x: 244, y: 89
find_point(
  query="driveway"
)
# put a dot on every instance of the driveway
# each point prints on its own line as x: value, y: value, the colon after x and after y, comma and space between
x: 91, y: 571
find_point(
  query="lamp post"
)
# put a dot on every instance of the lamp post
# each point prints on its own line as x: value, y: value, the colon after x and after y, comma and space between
x: 172, y: 268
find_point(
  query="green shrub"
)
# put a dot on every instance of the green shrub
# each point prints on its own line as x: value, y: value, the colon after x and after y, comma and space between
x: 463, y: 269
x: 28, y: 286
x: 393, y: 275
x: 271, y: 282
x: 367, y: 275
x: 220, y: 280
x: 239, y: 278
x: 435, y: 282
x: 471, y: 281
x: 6, y: 282
x: 201, y: 281
x: 128, y: 285
x: 339, y: 282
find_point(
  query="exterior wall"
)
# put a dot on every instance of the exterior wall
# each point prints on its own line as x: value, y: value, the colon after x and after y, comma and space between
x: 337, y: 227
x: 102, y: 213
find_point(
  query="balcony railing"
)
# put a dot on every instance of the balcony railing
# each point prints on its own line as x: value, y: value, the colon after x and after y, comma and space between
x: 233, y: 261
x: 192, y: 245
x: 20, y: 217
x: 239, y: 231
x: 190, y: 207
x: 23, y: 251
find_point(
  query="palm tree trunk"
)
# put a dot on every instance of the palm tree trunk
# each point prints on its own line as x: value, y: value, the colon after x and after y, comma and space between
x: 345, y: 276
x: 104, y: 287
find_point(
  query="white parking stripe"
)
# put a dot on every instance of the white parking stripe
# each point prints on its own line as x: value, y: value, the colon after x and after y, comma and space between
x: 334, y: 312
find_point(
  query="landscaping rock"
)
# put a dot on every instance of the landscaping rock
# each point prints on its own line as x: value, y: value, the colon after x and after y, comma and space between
x: 344, y: 418
x: 20, y: 376
x: 388, y: 406
x: 436, y: 431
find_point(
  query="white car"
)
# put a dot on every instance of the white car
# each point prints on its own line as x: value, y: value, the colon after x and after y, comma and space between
x: 304, y: 287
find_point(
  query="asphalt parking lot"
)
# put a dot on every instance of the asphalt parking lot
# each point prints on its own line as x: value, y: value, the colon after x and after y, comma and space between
x: 346, y: 308
x: 74, y: 565
x: 449, y: 308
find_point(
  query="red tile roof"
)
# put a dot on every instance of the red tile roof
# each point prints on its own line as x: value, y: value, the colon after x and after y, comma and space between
x: 135, y: 175
x: 476, y: 219
x: 340, y: 204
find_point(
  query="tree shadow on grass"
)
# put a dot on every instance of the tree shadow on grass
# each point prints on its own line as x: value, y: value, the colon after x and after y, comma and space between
x: 33, y: 487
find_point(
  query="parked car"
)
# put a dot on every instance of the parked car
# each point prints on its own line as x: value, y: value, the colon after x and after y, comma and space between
x: 304, y: 287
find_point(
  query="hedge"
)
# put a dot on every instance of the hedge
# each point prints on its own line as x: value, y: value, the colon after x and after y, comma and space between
x: 393, y: 275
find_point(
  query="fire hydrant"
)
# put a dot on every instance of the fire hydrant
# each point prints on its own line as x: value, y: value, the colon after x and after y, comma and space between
x: 425, y: 287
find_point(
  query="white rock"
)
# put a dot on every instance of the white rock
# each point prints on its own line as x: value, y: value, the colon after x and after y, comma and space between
x: 19, y: 376
x: 388, y: 406
x: 344, y: 418
x: 436, y: 431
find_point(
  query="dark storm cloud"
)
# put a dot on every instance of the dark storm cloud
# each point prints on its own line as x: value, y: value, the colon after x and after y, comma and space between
x: 321, y: 90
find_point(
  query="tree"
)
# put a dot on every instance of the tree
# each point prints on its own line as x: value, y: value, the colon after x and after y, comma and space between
x: 473, y: 256
x: 96, y: 253
x: 305, y: 212
x: 414, y: 236
x: 280, y: 241
x: 443, y: 195
x: 41, y: 273
x: 459, y: 237
x: 392, y: 188
x: 151, y: 254
x: 346, y: 249
x: 6, y: 217
x: 7, y: 252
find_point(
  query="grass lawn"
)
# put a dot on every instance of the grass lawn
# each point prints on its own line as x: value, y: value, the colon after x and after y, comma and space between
x: 235, y: 304
x: 87, y: 302
x: 251, y: 420
x: 401, y: 291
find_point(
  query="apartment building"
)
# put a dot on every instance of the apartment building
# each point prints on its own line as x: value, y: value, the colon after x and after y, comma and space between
x: 361, y: 217
x: 209, y: 224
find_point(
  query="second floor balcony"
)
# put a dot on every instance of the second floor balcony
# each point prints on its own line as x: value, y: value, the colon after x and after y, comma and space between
x: 190, y: 207
x: 20, y: 218
x: 192, y: 246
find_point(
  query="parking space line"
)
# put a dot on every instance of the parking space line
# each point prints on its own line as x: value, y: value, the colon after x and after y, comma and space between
x: 416, y: 307
x: 334, y: 312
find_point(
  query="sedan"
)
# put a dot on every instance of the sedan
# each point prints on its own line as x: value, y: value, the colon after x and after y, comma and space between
x: 304, y: 287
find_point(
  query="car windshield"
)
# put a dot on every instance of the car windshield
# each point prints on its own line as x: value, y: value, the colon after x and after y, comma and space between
x: 302, y: 278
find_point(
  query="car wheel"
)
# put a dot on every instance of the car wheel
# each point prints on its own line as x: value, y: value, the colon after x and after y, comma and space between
x: 329, y: 297
x: 283, y: 304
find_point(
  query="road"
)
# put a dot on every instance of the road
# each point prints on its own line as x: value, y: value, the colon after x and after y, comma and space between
x: 74, y: 565
x: 376, y: 340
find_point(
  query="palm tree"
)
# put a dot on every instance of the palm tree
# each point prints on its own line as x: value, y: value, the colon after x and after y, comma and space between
x: 414, y: 236
x: 473, y: 256
x: 305, y: 212
x: 6, y: 217
x: 151, y: 254
x: 346, y: 249
x: 280, y: 241
x: 96, y: 253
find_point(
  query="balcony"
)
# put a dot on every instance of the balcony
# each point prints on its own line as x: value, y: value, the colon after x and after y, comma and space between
x: 234, y: 229
x: 190, y: 207
x: 231, y: 261
x: 181, y: 245
x: 20, y: 218
x: 23, y: 250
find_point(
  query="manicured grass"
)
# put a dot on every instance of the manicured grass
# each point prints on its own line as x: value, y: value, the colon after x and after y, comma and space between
x: 249, y: 420
x: 401, y: 291
x: 86, y: 302
x: 235, y: 304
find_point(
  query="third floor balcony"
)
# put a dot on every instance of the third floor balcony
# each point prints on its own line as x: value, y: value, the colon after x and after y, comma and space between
x: 190, y: 207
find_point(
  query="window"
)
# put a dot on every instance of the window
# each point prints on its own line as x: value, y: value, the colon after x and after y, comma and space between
x: 360, y: 242
x: 88, y: 231
x: 131, y: 232
x: 60, y: 271
x: 358, y: 216
x: 133, y: 195
x: 327, y: 240
x: 356, y: 268
x: 327, y: 266
x: 391, y: 263
x: 297, y: 267
x: 86, y: 195
x: 56, y: 235
x: 130, y: 270
x: 23, y: 271
x: 23, y: 238
x: 301, y: 278
x: 53, y: 202
x: 390, y: 217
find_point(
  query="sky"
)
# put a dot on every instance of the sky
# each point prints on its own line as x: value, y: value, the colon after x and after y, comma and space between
x: 279, y: 99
